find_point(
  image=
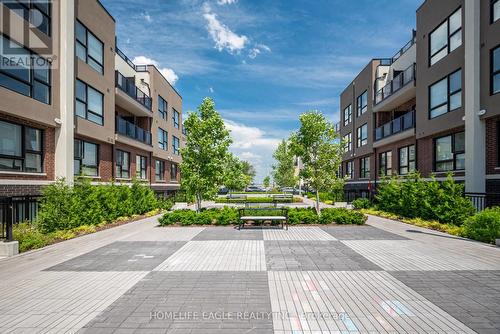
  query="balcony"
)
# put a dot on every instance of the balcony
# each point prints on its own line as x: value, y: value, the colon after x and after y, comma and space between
x: 132, y: 131
x: 397, y: 91
x: 130, y: 97
x: 398, y: 126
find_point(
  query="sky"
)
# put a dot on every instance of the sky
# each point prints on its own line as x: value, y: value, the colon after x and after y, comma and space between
x: 264, y: 62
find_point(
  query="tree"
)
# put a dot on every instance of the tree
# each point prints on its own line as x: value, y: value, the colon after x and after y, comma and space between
x: 205, y: 154
x: 267, y: 181
x: 315, y: 143
x: 284, y: 169
x: 234, y: 176
x: 248, y: 170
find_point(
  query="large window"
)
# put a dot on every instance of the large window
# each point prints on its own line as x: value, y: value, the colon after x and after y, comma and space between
x: 173, y: 172
x: 162, y: 139
x: 364, y: 168
x: 348, y: 115
x: 349, y: 169
x: 162, y: 107
x: 362, y: 103
x: 24, y: 71
x: 89, y: 48
x: 445, y: 38
x: 347, y: 142
x: 159, y: 170
x: 407, y: 160
x: 175, y: 145
x: 175, y: 118
x: 385, y: 163
x: 141, y: 167
x: 449, y: 152
x: 89, y: 103
x: 21, y: 148
x: 37, y: 12
x: 495, y: 10
x: 362, y: 135
x: 445, y: 95
x: 86, y: 158
x: 122, y: 164
x: 495, y: 70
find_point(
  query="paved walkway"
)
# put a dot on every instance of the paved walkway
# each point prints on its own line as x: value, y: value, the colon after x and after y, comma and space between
x: 387, y: 277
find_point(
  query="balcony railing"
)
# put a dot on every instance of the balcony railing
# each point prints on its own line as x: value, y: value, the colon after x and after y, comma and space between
x: 406, y: 47
x: 124, y: 57
x: 401, y: 80
x: 400, y: 124
x: 131, y: 130
x: 128, y: 86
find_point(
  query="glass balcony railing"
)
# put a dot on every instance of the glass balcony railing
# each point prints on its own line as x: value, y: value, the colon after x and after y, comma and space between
x: 128, y: 86
x: 399, y: 81
x: 405, y: 48
x: 400, y: 124
x: 131, y: 130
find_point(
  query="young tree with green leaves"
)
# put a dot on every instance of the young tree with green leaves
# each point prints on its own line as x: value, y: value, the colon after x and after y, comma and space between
x: 284, y: 169
x: 249, y: 170
x: 315, y: 143
x: 267, y: 181
x: 234, y: 176
x: 205, y: 154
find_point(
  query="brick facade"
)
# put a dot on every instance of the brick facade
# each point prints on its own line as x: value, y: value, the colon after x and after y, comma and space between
x: 492, y: 144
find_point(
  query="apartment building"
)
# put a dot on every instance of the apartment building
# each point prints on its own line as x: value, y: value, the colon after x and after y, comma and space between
x: 433, y: 107
x: 79, y: 106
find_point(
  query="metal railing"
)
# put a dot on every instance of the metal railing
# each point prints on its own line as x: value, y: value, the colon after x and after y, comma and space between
x: 125, y: 58
x: 400, y: 124
x: 405, y: 48
x: 14, y: 210
x: 128, y: 86
x: 402, y: 79
x: 482, y: 201
x: 131, y: 130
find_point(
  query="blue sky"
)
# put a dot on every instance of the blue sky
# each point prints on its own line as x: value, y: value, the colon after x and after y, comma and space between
x: 263, y: 62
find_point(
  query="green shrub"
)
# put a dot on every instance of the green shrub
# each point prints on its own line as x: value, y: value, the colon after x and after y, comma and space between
x: 227, y: 216
x: 29, y: 237
x: 483, y: 226
x: 362, y: 203
x: 302, y: 216
x: 182, y: 217
x: 341, y: 216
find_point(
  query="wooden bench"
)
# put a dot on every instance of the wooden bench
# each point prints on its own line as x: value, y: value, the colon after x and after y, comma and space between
x: 247, y: 216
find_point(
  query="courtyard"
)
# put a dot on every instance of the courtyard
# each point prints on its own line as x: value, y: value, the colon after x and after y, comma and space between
x: 384, y: 277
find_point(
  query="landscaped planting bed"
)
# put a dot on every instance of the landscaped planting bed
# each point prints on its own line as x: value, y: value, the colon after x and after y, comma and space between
x: 257, y: 200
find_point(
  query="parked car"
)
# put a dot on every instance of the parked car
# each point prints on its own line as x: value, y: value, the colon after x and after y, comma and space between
x: 290, y: 190
x: 223, y: 191
x: 254, y: 189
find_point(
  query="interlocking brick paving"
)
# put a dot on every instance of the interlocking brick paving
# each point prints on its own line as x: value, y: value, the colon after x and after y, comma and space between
x: 415, y: 255
x: 353, y: 302
x: 297, y: 233
x: 166, y: 234
x: 365, y: 232
x: 473, y: 297
x: 314, y: 255
x: 229, y: 233
x: 191, y: 302
x: 122, y: 256
x: 228, y: 255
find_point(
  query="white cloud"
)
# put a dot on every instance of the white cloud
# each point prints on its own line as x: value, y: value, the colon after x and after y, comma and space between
x: 211, y: 89
x: 147, y: 17
x: 226, y: 2
x: 223, y: 37
x: 255, y: 51
x: 168, y: 73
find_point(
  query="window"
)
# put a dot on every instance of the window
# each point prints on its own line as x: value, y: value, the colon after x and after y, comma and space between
x: 498, y: 144
x: 348, y: 142
x: 89, y: 103
x: 362, y: 135
x: 449, y: 152
x: 495, y: 70
x: 140, y: 167
x: 495, y: 10
x: 445, y: 38
x: 349, y: 169
x: 175, y: 145
x: 445, y: 95
x: 406, y: 160
x: 348, y: 115
x: 89, y: 48
x: 175, y: 118
x: 362, y: 103
x: 21, y: 148
x: 122, y: 164
x: 160, y: 170
x: 36, y: 12
x: 364, y: 168
x: 385, y: 161
x: 162, y: 139
x: 162, y: 107
x: 86, y: 158
x: 16, y: 73
x: 173, y: 172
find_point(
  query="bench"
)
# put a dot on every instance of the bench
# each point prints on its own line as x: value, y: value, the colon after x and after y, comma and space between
x: 246, y: 215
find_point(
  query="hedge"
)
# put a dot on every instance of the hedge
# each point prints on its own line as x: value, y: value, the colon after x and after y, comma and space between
x: 256, y: 200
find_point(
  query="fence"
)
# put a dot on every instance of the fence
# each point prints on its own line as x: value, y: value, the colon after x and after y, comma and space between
x: 14, y: 210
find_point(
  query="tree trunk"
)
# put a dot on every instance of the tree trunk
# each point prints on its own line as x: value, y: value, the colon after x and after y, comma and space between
x: 198, y: 203
x: 318, y: 211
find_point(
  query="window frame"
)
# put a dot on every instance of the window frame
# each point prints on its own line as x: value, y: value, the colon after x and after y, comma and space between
x: 360, y: 141
x: 492, y: 11
x: 176, y: 148
x: 498, y: 143
x: 385, y: 154
x: 360, y: 110
x: 448, y: 39
x: 163, y: 145
x: 348, y: 143
x: 82, y: 157
x: 174, y: 121
x: 173, y: 167
x: 86, y: 47
x: 34, y: 5
x: 141, y: 172
x: 159, y: 170
x: 449, y: 94
x: 493, y: 73
x: 364, y: 168
x: 120, y: 167
x: 408, y: 160
x: 349, y: 115
x: 349, y: 169
x: 162, y: 113
x: 453, y: 152
x: 24, y: 150
x: 86, y: 103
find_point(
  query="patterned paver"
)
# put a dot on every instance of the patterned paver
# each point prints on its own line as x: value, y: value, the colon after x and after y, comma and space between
x: 229, y: 255
x: 122, y: 256
x: 366, y: 302
x: 297, y: 233
x: 166, y: 234
x: 414, y: 255
x: 347, y: 232
x: 314, y: 255
x: 229, y: 233
x: 190, y: 302
x: 471, y: 296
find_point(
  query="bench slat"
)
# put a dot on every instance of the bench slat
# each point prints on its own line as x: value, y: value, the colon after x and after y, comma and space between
x: 263, y: 218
